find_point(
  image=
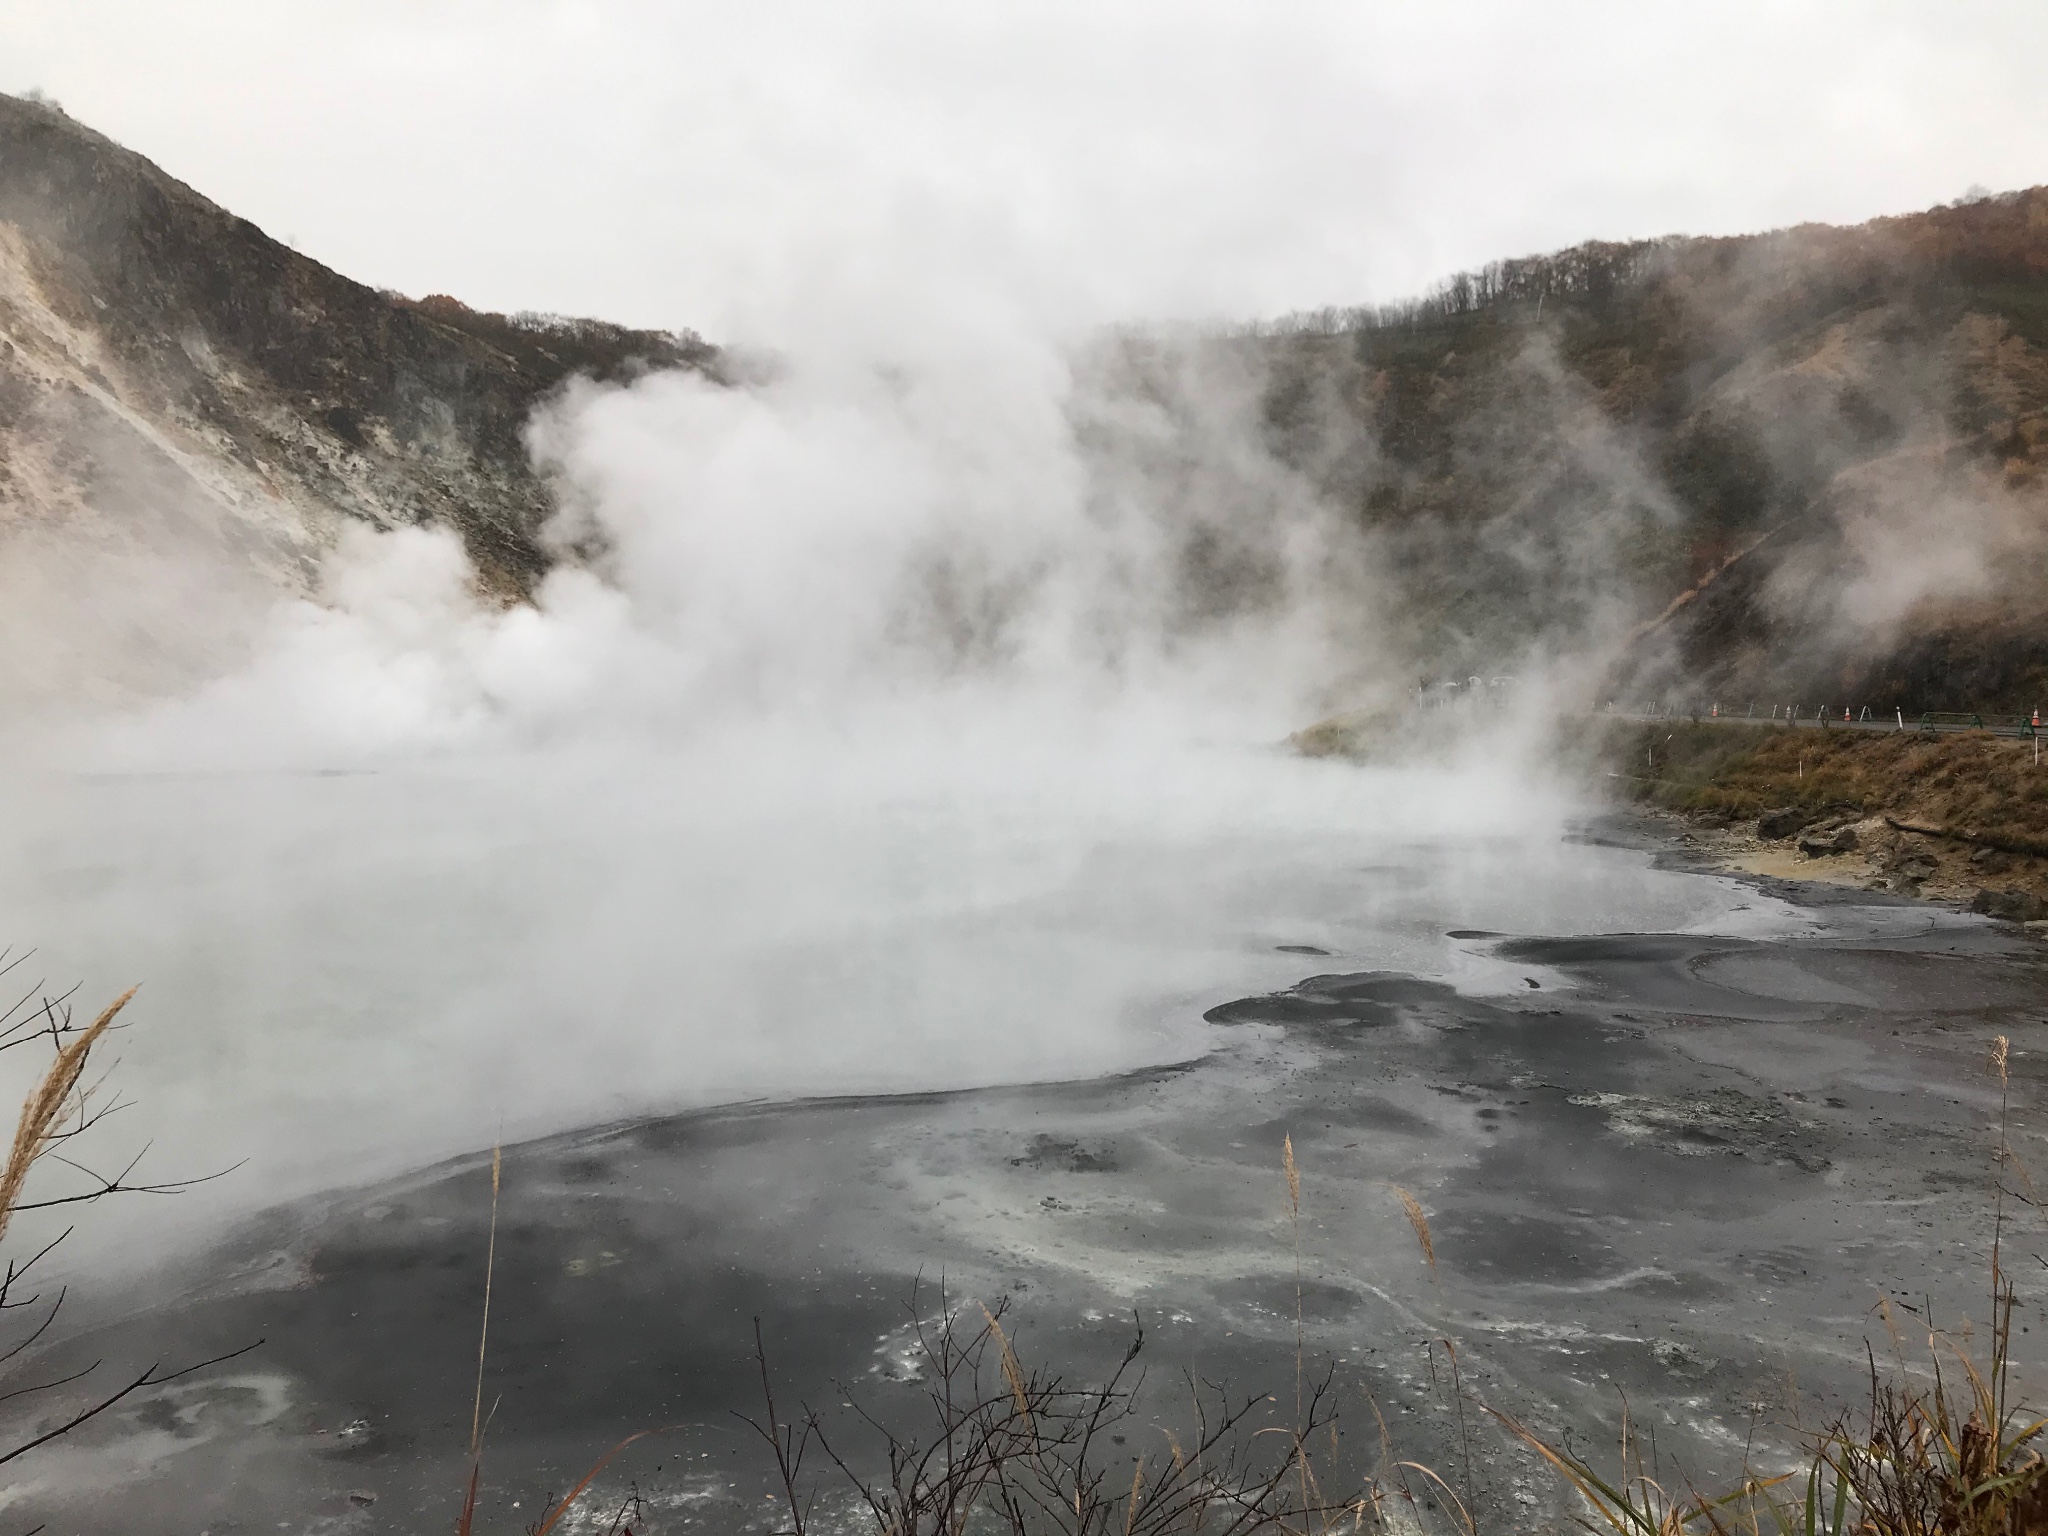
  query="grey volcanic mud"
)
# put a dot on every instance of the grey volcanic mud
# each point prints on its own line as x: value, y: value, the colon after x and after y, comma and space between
x: 370, y: 971
x: 1675, y: 1169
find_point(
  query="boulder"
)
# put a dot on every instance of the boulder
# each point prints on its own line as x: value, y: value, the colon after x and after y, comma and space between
x: 1990, y: 861
x: 1824, y: 841
x: 1783, y: 822
x: 2013, y: 906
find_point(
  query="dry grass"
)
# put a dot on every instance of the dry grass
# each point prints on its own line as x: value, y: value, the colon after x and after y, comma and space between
x: 1009, y: 1449
x: 1945, y: 1450
x: 467, y: 1520
x: 553, y: 1510
x: 56, y: 1109
x: 1947, y: 1456
x: 1960, y: 813
x: 1412, y: 1209
x: 1969, y: 779
x: 1013, y: 1450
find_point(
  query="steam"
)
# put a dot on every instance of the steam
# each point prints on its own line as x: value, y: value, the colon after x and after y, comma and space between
x: 1914, y: 535
x: 1874, y: 481
x: 832, y: 538
x: 892, y: 722
x: 908, y: 715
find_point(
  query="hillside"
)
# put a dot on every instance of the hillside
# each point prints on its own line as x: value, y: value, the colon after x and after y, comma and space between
x: 168, y: 370
x: 1961, y: 817
x: 1802, y: 466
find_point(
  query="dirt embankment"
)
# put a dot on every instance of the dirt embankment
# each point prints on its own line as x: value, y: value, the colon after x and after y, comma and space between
x: 1955, y: 817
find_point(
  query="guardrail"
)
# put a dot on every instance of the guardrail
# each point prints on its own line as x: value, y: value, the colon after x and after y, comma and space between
x: 1929, y: 722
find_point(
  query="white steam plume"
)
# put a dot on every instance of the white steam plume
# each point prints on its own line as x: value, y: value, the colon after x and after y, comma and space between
x: 911, y: 719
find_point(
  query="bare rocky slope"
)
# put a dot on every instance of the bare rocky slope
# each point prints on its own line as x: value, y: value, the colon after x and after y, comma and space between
x: 169, y: 374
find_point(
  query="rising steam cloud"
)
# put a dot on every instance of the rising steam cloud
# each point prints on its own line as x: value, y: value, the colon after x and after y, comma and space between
x: 1072, y: 530
x: 887, y: 725
x: 908, y: 715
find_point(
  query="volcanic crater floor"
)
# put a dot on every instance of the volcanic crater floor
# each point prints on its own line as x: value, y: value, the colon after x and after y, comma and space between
x: 1675, y: 1172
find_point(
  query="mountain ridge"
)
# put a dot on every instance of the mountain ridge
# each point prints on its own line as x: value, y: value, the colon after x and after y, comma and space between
x: 155, y: 347
x: 1804, y: 466
x: 1815, y: 459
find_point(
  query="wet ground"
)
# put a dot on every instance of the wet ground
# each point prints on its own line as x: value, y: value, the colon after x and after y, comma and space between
x: 1677, y: 1168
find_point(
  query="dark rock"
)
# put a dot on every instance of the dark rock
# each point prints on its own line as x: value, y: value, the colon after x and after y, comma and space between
x: 2014, y: 906
x: 1828, y: 840
x: 1990, y: 861
x: 1783, y: 822
x: 1066, y: 1156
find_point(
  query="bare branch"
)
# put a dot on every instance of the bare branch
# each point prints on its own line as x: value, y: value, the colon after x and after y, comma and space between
x: 61, y: 1381
x: 17, y: 1271
x: 148, y: 1378
x: 55, y: 1307
x: 114, y: 1186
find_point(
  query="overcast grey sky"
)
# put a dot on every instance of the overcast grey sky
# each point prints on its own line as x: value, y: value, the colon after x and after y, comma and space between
x: 714, y: 165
